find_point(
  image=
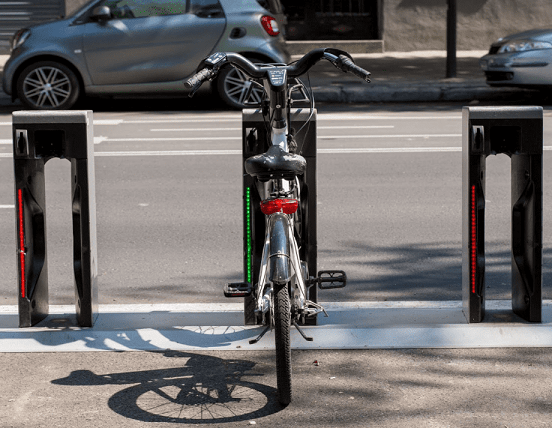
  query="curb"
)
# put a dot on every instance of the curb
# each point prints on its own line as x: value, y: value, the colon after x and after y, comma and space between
x: 387, y: 92
x: 219, y: 327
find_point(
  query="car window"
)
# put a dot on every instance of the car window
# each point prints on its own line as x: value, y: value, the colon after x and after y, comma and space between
x: 273, y: 6
x: 124, y: 9
x: 206, y: 8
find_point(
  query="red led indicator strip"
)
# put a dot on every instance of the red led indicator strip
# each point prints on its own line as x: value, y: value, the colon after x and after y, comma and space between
x: 21, y: 241
x: 473, y: 249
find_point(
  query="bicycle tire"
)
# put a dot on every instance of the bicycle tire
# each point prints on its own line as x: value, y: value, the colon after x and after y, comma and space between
x: 282, y: 326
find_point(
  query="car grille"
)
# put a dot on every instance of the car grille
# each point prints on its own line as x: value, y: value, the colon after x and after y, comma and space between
x: 497, y: 76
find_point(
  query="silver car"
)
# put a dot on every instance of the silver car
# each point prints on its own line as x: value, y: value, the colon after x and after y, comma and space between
x: 118, y: 47
x: 523, y: 59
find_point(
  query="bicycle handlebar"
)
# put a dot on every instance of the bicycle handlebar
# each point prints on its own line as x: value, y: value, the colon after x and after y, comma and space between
x: 210, y: 66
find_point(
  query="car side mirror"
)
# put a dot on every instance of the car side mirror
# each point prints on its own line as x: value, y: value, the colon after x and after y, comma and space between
x: 101, y: 13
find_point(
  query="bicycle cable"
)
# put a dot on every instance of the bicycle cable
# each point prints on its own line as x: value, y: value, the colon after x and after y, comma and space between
x: 312, y: 104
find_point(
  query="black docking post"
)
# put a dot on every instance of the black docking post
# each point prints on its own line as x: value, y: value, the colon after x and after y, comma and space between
x: 37, y: 137
x: 255, y: 141
x: 518, y: 133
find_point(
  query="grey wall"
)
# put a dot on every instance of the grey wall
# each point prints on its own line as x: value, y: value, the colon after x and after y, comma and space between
x: 421, y: 24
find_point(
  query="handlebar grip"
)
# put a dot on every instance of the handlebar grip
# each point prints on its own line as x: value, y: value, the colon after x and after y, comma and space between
x: 198, y: 78
x: 349, y: 66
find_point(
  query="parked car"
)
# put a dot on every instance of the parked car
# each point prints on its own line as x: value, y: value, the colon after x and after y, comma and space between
x: 522, y: 59
x: 121, y: 47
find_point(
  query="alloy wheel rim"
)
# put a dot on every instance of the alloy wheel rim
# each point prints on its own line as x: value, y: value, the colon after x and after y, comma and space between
x: 237, y: 85
x: 47, y: 87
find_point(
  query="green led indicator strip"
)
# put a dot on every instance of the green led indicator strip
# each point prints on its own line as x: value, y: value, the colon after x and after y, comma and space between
x: 248, y: 233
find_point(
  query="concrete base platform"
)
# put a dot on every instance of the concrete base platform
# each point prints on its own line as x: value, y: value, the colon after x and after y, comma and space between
x: 364, y: 325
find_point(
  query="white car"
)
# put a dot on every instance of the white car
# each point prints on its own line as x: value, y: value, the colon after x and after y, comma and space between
x: 522, y: 59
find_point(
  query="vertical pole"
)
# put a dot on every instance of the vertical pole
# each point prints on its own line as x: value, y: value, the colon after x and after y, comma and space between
x: 451, y: 39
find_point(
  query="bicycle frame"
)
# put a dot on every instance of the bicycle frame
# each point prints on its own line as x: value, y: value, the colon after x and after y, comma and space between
x: 280, y: 260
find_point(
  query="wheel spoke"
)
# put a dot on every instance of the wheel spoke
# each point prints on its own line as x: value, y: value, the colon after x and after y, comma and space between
x: 41, y: 74
x: 33, y: 82
x: 257, y: 95
x: 34, y: 92
x: 235, y: 81
x: 41, y: 99
x: 53, y: 99
x: 236, y: 90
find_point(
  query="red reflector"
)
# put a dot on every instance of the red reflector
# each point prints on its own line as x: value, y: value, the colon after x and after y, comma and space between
x: 270, y: 25
x: 271, y: 206
x: 21, y: 241
x: 473, y: 233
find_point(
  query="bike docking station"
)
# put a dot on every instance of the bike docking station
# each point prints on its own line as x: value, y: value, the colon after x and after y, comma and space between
x: 518, y: 133
x: 256, y: 141
x: 38, y: 137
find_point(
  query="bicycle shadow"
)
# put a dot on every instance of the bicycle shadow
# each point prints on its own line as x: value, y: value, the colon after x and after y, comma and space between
x: 204, y: 390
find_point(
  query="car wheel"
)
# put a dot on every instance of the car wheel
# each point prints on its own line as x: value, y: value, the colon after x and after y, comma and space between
x: 48, y: 85
x: 233, y: 87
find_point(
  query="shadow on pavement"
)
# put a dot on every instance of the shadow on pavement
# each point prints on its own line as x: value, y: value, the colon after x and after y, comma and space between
x: 205, y: 390
x: 424, y: 271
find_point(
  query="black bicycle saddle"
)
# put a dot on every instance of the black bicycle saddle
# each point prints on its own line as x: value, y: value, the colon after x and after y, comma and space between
x: 275, y: 162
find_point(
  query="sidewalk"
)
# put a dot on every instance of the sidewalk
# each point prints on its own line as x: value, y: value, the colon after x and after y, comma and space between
x: 400, y: 77
x: 410, y: 77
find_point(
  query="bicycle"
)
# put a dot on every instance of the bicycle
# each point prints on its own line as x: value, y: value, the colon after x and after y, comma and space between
x: 281, y: 291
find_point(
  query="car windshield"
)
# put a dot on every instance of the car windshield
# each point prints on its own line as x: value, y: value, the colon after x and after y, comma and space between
x: 80, y: 9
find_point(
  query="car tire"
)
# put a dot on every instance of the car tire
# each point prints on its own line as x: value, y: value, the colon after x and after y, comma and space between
x: 232, y: 87
x: 48, y: 85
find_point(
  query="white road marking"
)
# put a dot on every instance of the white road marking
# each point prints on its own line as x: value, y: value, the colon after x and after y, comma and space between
x: 210, y: 118
x: 346, y: 137
x: 239, y: 129
x: 7, y: 207
x: 238, y: 138
x: 365, y: 150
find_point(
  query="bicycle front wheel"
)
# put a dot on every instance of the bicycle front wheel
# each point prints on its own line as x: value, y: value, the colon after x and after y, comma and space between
x: 282, y: 326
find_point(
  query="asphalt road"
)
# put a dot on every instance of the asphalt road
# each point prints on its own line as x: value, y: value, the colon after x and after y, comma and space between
x: 169, y: 230
x: 168, y: 188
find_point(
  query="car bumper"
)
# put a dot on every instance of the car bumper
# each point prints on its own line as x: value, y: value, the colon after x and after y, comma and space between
x: 7, y: 76
x: 532, y: 68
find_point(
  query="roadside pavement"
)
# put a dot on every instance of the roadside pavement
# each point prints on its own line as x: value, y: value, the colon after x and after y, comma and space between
x: 410, y: 77
x: 399, y: 77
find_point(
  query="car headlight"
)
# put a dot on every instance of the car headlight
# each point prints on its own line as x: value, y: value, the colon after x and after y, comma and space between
x: 524, y: 45
x: 19, y: 38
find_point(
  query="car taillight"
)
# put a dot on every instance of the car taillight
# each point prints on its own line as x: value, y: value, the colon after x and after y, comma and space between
x: 271, y: 206
x: 270, y: 25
